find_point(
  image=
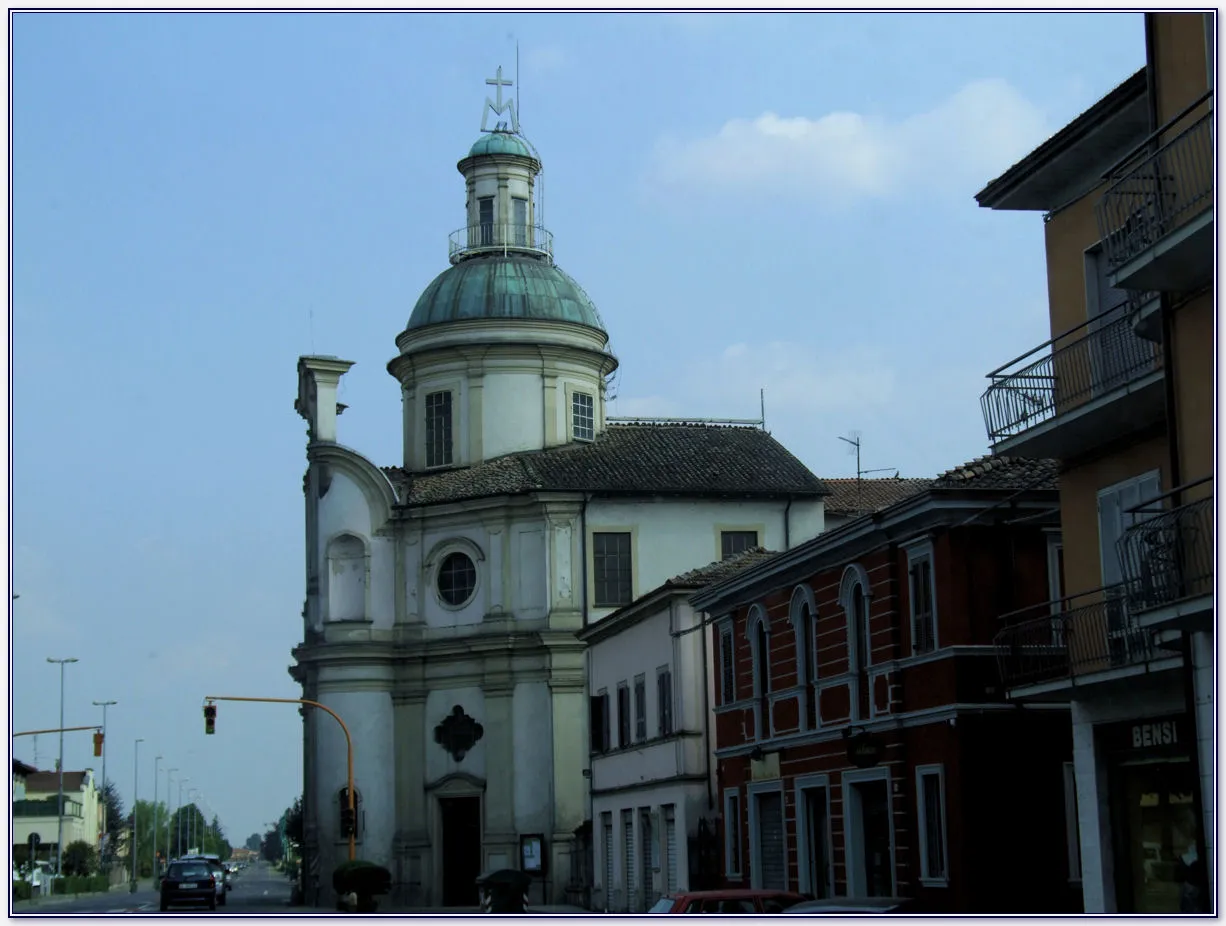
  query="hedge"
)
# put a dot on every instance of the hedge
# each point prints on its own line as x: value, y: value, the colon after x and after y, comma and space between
x: 81, y: 884
x: 21, y: 890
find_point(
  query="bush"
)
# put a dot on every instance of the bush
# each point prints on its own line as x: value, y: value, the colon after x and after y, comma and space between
x: 362, y: 878
x: 79, y: 858
x: 99, y: 884
x: 22, y: 890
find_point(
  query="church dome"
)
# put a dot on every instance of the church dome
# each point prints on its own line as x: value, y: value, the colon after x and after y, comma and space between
x: 512, y: 286
x: 499, y: 143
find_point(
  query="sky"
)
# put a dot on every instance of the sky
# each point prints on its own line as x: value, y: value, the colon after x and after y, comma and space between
x: 753, y: 201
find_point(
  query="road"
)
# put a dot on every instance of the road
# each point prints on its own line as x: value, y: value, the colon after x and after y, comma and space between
x: 257, y: 889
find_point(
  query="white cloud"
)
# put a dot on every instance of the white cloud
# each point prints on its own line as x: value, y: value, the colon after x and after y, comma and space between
x: 971, y: 137
x: 546, y: 59
x: 799, y: 380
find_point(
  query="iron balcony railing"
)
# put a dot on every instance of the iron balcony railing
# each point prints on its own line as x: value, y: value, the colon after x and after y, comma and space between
x: 1167, y: 554
x: 45, y: 807
x: 487, y: 237
x: 1156, y: 192
x: 1091, y: 360
x: 1072, y: 639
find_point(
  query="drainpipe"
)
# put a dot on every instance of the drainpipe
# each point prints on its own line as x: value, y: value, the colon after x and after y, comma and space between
x: 787, y: 526
x: 706, y: 717
x: 583, y: 551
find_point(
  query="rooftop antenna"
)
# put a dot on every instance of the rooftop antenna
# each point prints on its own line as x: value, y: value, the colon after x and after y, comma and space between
x: 762, y: 406
x: 854, y: 441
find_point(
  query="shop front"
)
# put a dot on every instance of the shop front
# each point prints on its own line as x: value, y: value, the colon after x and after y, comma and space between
x: 1154, y: 813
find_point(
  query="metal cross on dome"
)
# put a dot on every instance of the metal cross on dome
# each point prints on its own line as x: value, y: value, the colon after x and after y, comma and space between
x: 498, y: 106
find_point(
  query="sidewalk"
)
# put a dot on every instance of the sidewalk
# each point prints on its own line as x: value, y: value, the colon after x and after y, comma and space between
x: 144, y: 884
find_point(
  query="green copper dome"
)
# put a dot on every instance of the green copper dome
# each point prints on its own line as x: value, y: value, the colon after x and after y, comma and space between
x: 514, y: 286
x: 500, y: 143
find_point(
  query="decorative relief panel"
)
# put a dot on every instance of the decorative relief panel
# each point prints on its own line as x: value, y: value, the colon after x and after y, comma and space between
x: 458, y: 733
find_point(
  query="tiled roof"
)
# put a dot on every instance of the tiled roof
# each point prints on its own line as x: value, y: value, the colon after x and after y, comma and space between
x: 681, y: 459
x: 49, y: 782
x: 20, y: 768
x: 855, y: 496
x: 721, y: 569
x: 991, y: 472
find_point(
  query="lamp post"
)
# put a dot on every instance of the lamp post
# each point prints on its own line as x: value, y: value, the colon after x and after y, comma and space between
x: 179, y: 822
x: 104, y: 705
x: 135, y: 793
x: 169, y: 772
x: 59, y: 839
x: 156, y: 762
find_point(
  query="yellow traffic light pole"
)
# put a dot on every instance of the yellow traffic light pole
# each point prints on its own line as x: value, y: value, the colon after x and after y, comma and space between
x: 97, y: 735
x: 348, y: 746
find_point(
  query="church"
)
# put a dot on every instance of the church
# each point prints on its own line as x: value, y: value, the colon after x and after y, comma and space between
x: 445, y: 595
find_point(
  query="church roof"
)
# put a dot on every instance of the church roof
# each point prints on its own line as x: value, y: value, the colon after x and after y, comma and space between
x: 500, y: 143
x: 632, y: 459
x: 511, y: 286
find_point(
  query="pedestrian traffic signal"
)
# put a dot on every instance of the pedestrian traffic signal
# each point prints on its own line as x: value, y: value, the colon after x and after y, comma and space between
x: 210, y: 718
x: 98, y: 743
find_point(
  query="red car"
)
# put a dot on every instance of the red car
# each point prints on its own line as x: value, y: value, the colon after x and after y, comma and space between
x: 729, y: 901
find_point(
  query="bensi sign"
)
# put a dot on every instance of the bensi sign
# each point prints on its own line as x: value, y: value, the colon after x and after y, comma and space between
x: 1147, y: 735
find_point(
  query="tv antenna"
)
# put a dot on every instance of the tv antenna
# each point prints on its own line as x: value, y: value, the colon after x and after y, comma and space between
x: 854, y: 441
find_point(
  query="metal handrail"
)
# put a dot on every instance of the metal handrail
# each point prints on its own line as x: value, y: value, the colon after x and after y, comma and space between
x: 488, y: 237
x: 1168, y: 557
x: 1158, y: 193
x: 1140, y: 147
x: 1107, y: 355
x: 1092, y: 638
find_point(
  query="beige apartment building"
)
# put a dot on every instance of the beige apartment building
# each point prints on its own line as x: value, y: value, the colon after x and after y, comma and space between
x: 1122, y: 395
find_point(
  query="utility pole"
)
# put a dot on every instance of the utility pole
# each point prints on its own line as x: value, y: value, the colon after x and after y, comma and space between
x: 104, y: 705
x: 59, y: 840
x: 169, y: 772
x: 135, y: 794
x: 156, y: 762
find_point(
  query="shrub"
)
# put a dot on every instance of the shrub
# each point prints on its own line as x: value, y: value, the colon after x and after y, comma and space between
x: 362, y: 878
x: 79, y: 858
x: 99, y: 884
x: 22, y: 890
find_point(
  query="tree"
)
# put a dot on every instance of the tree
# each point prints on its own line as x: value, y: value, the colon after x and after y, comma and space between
x: 293, y: 822
x: 271, y: 849
x: 116, y: 819
x: 253, y: 842
x: 79, y: 858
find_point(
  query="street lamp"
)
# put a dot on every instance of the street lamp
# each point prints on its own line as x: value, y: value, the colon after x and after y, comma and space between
x: 59, y: 839
x: 169, y: 772
x: 156, y: 762
x: 179, y: 822
x: 104, y: 705
x: 135, y: 798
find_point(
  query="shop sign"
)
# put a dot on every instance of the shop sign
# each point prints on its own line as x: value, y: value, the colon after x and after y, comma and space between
x: 1153, y: 734
x: 863, y: 751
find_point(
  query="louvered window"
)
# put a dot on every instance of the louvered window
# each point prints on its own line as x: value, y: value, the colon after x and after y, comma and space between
x: 670, y: 849
x: 623, y: 716
x: 771, y: 848
x: 607, y: 821
x: 933, y: 853
x: 664, y: 700
x: 628, y: 856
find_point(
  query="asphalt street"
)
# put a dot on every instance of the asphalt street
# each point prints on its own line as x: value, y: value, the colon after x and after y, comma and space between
x: 257, y: 889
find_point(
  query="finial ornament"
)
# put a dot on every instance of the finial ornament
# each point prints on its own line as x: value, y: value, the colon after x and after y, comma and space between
x: 498, y: 106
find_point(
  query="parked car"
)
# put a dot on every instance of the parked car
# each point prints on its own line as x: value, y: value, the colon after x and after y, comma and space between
x: 189, y: 881
x: 734, y: 900
x: 218, y: 870
x: 842, y: 906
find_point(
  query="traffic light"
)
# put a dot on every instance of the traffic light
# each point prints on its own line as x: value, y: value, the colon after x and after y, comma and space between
x: 348, y: 821
x: 210, y: 718
x: 98, y: 743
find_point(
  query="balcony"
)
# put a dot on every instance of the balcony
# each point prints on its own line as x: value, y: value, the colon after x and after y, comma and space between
x: 1088, y: 638
x: 1167, y: 560
x: 1156, y: 216
x: 1094, y: 383
x: 488, y: 238
x: 45, y: 807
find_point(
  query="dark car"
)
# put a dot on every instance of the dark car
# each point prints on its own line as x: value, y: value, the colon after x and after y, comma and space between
x: 733, y: 900
x: 189, y: 882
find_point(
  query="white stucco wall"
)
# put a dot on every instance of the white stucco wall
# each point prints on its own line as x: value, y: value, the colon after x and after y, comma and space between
x: 674, y: 536
x: 531, y: 717
x: 616, y: 897
x: 512, y: 413
x: 344, y: 510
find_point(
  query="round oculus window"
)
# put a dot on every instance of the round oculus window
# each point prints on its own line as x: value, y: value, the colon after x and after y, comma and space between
x: 457, y: 579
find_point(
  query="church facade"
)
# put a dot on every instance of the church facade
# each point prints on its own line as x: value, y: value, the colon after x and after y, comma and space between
x: 445, y: 595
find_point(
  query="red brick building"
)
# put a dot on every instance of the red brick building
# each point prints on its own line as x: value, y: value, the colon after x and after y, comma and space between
x: 885, y: 760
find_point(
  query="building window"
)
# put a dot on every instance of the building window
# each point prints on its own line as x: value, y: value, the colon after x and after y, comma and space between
x: 519, y: 213
x: 732, y: 833
x: 923, y: 600
x: 1055, y: 571
x: 583, y: 421
x: 804, y: 620
x: 599, y: 726
x: 1114, y: 519
x: 628, y: 854
x: 727, y: 666
x: 1072, y: 828
x: 485, y: 210
x: 930, y: 781
x: 640, y: 708
x: 438, y: 429
x: 761, y: 671
x: 733, y: 542
x: 623, y: 715
x: 457, y: 579
x: 612, y: 570
x: 853, y: 597
x: 664, y: 700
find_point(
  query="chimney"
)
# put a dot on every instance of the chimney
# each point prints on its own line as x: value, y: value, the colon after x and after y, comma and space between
x: 318, y: 377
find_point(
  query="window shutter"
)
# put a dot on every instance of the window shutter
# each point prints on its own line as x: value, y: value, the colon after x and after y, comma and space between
x: 596, y: 723
x: 606, y: 716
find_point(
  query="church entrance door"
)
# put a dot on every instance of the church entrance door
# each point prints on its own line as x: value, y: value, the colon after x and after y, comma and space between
x: 461, y: 829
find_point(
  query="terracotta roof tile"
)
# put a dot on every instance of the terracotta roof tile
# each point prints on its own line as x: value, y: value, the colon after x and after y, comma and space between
x: 852, y: 496
x: 681, y: 459
x: 993, y: 472
x: 721, y: 569
x: 49, y: 782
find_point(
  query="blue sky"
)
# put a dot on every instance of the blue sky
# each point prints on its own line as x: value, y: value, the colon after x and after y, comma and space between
x: 765, y: 200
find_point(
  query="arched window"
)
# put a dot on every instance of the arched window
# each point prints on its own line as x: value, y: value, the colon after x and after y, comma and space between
x: 346, y: 577
x: 758, y: 630
x: 804, y: 622
x: 854, y: 598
